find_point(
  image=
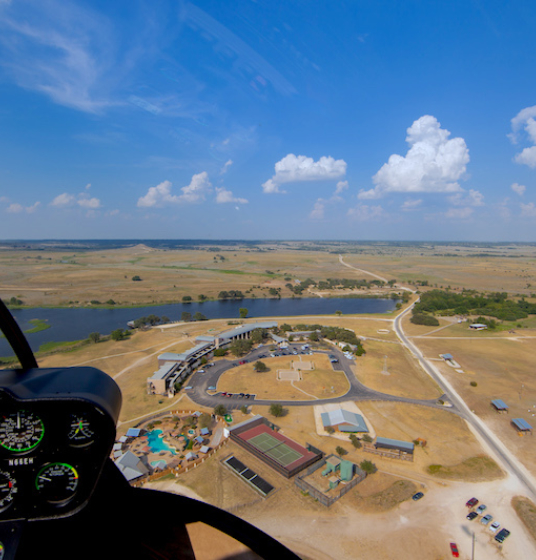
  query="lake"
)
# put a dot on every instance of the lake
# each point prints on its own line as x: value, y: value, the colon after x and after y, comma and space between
x: 76, y: 323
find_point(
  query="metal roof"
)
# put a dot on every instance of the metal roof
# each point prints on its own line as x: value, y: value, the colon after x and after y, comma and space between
x: 341, y: 416
x: 247, y: 328
x: 395, y: 443
x: 498, y: 403
x: 521, y: 424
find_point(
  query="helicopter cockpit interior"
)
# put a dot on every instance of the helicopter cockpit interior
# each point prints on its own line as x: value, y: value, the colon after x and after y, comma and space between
x: 61, y: 495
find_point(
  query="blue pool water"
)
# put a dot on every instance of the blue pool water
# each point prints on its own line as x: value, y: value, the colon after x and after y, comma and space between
x: 156, y: 443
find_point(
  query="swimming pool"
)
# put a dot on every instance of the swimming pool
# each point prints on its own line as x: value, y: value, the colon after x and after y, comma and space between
x: 157, y: 443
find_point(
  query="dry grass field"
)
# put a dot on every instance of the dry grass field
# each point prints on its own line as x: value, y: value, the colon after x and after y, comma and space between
x: 404, y: 376
x: 320, y: 382
x: 502, y: 369
x: 56, y: 278
x: 45, y: 277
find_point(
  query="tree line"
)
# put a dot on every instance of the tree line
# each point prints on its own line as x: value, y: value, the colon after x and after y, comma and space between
x: 470, y: 302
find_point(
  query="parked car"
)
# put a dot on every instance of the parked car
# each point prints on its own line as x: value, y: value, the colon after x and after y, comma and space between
x: 200, y: 371
x: 454, y: 550
x: 472, y: 515
x: 486, y: 519
x: 417, y: 496
x: 494, y: 526
x: 480, y: 509
x: 501, y: 535
x: 472, y: 502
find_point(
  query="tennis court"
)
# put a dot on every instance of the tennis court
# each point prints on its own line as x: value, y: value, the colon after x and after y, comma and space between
x: 274, y: 448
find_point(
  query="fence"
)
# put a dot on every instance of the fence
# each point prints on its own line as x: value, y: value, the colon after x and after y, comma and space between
x: 322, y: 497
x: 388, y: 453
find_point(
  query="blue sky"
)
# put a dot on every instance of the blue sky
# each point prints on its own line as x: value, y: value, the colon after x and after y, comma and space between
x: 268, y: 120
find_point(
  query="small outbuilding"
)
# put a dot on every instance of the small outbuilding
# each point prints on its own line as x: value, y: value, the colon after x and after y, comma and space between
x: 395, y: 444
x: 344, y: 421
x: 499, y: 405
x: 522, y: 426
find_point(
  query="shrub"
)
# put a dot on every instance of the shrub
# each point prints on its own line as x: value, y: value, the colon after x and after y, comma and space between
x: 368, y: 466
x: 473, y: 383
x: 340, y: 451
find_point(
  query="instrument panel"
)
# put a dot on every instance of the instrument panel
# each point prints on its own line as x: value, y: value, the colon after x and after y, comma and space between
x: 52, y: 447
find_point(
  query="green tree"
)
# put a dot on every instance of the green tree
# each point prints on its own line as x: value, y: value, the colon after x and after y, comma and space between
x: 199, y: 316
x: 340, y: 451
x: 277, y: 410
x: 153, y: 319
x: 136, y: 278
x: 219, y: 352
x: 260, y: 367
x: 243, y: 312
x: 240, y: 347
x: 186, y: 316
x: 355, y: 441
x: 94, y: 337
x: 368, y: 466
x: 313, y: 337
x: 220, y: 410
x: 118, y: 334
x: 258, y: 335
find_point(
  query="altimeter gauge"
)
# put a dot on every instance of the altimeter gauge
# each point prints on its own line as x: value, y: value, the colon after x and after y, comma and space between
x: 21, y: 431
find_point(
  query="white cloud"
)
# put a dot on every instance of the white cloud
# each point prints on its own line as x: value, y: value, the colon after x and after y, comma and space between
x: 91, y: 203
x: 527, y: 157
x: 17, y: 208
x: 472, y: 198
x: 226, y: 166
x: 224, y: 196
x: 363, y: 212
x: 295, y: 169
x: 528, y: 210
x: 160, y: 195
x: 341, y: 186
x: 197, y: 189
x: 518, y: 189
x: 411, y: 205
x: 66, y: 58
x: 459, y: 213
x: 526, y: 120
x: 317, y: 213
x: 433, y: 164
x: 66, y: 200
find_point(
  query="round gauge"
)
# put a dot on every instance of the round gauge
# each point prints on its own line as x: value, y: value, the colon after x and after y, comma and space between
x: 8, y: 489
x: 57, y: 482
x: 81, y: 431
x: 21, y: 431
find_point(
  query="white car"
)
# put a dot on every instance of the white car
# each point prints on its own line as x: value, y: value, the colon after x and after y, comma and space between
x: 494, y: 526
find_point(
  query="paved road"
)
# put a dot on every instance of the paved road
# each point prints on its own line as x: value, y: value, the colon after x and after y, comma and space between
x: 502, y: 454
x: 200, y: 382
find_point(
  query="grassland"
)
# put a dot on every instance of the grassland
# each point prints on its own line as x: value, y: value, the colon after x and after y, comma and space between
x: 526, y: 511
x: 46, y: 277
x: 321, y: 382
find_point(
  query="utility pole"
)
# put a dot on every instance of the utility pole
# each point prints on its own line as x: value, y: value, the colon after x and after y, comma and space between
x: 473, y: 553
